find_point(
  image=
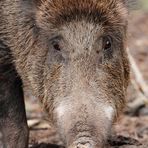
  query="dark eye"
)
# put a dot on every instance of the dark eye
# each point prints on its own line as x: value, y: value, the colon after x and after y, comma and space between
x: 107, y: 43
x: 107, y: 48
x: 56, y: 46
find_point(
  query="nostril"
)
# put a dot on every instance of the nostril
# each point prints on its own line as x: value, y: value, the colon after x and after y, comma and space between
x: 84, y: 145
x: 97, y: 51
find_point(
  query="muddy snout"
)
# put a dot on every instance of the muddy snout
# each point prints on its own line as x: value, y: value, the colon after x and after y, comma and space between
x: 84, y: 123
x: 82, y: 145
x: 91, y: 139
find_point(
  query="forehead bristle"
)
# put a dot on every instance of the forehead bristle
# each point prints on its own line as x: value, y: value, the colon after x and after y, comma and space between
x: 94, y: 11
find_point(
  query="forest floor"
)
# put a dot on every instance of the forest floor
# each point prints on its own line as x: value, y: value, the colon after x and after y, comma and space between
x: 131, y: 131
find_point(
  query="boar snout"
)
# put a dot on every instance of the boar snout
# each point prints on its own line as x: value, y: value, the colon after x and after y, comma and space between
x: 82, y: 145
x: 84, y: 124
x: 86, y: 145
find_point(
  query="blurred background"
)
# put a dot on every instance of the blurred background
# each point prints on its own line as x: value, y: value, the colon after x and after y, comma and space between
x: 144, y: 4
x: 132, y: 127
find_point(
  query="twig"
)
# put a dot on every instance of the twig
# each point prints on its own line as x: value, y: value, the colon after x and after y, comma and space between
x: 143, y: 87
x: 140, y: 86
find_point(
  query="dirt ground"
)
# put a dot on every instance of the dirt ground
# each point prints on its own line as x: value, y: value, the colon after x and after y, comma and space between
x: 131, y: 132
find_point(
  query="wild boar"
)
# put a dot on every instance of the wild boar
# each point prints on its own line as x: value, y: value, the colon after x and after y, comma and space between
x: 72, y: 55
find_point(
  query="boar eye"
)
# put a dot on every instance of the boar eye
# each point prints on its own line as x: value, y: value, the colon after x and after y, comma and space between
x: 107, y: 48
x: 56, y: 46
x: 107, y: 43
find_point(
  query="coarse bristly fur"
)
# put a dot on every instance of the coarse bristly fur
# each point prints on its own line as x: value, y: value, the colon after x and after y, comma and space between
x: 56, y: 48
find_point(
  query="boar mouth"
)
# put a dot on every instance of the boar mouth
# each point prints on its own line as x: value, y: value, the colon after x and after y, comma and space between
x: 86, y: 144
x: 82, y: 145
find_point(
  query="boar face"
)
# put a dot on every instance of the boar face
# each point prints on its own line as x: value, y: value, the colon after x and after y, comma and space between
x: 79, y: 67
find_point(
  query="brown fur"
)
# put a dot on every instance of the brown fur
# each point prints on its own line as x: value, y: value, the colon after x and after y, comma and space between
x: 91, y: 10
x: 75, y: 84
